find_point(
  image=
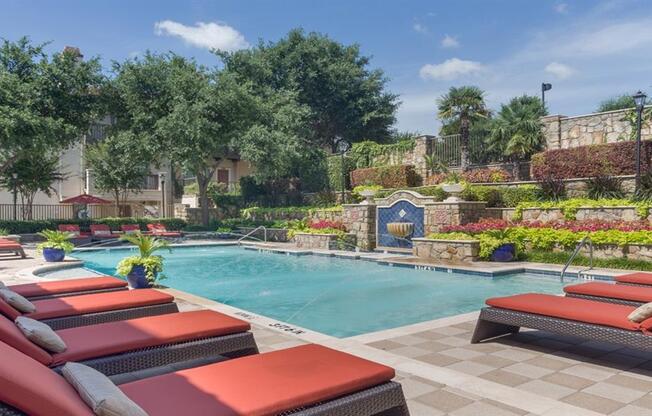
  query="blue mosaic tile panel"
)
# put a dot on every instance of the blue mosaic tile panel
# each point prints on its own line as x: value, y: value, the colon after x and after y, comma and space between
x: 401, y: 211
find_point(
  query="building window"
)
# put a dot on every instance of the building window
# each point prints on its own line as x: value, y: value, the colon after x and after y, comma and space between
x: 223, y: 176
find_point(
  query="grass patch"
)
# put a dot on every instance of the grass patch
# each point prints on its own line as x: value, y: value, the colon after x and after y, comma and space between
x: 562, y: 258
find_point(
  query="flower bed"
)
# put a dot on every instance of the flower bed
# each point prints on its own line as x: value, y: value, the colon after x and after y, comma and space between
x: 488, y: 175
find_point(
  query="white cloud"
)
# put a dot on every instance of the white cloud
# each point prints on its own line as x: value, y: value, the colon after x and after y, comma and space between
x: 561, y: 8
x: 450, y: 42
x: 561, y: 71
x: 419, y: 28
x: 204, y: 35
x: 450, y: 69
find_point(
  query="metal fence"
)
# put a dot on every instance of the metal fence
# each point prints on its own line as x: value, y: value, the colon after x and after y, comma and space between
x: 56, y: 212
x: 448, y: 150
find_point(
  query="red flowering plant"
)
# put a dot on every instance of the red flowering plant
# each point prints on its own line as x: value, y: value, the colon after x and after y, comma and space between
x: 323, y: 224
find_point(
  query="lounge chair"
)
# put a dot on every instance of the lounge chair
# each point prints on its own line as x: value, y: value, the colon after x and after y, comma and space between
x: 130, y: 228
x: 102, y: 232
x: 73, y: 229
x: 183, y: 338
x: 595, y: 321
x: 305, y: 380
x: 607, y: 292
x: 159, y: 230
x: 11, y: 246
x: 73, y: 311
x: 69, y: 287
x: 636, y: 279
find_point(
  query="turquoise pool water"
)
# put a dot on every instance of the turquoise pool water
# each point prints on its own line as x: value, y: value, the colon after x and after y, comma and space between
x: 339, y: 297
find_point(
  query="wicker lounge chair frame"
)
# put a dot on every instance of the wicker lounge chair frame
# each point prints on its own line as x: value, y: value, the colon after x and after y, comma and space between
x: 384, y: 400
x: 76, y: 293
x: 110, y: 316
x: 494, y: 322
x: 17, y: 250
x: 216, y: 348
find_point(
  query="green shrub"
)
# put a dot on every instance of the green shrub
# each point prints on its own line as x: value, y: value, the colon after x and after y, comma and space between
x: 604, y: 187
x: 433, y: 191
x: 355, y: 193
x: 393, y: 176
x: 490, y: 194
x: 538, y: 256
x: 512, y: 196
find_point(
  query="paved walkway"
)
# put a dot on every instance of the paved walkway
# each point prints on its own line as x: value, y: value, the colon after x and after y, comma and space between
x: 532, y: 373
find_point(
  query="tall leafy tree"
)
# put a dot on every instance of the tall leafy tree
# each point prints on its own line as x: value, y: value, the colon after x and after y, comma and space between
x: 46, y: 102
x: 345, y: 98
x: 118, y: 166
x: 621, y: 102
x: 462, y: 105
x: 517, y: 130
x: 36, y: 171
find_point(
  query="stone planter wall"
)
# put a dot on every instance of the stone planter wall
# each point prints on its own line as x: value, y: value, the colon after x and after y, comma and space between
x: 631, y: 252
x: 323, y: 241
x: 360, y: 220
x: 447, y: 250
x: 603, y: 214
x: 439, y: 214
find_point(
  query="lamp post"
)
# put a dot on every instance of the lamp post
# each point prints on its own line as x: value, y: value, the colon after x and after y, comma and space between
x: 161, y: 177
x: 342, y: 147
x: 544, y: 87
x: 639, y: 100
x: 14, y: 190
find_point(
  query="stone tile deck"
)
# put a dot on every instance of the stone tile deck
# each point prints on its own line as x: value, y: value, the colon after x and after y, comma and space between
x: 531, y: 373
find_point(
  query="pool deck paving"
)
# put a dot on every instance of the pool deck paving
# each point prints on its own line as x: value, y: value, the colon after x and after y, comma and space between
x: 530, y: 373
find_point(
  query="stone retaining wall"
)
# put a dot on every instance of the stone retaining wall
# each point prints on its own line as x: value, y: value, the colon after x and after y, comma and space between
x: 447, y: 250
x: 360, y: 220
x: 598, y: 213
x: 631, y: 252
x: 440, y: 214
x: 323, y: 241
x: 563, y: 132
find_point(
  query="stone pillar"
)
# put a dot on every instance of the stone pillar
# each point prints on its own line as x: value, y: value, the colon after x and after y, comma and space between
x: 439, y: 214
x: 422, y: 148
x: 552, y: 131
x: 360, y: 220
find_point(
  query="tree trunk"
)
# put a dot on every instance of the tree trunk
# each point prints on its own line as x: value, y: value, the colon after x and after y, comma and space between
x: 516, y: 170
x: 464, y: 144
x: 117, y: 202
x: 202, y: 185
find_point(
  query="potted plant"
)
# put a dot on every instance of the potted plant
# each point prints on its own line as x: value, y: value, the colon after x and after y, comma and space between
x: 453, y: 186
x: 143, y: 269
x: 497, y: 246
x: 56, y: 245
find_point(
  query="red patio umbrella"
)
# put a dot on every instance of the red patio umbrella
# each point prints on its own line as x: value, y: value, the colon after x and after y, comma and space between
x: 85, y: 199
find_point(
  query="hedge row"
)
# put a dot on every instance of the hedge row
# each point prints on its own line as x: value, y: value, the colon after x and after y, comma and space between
x: 589, y: 161
x: 34, y: 226
x: 486, y: 175
x: 394, y: 176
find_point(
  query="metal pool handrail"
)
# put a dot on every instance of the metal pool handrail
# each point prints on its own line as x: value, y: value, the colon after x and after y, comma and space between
x: 253, y: 231
x: 581, y: 244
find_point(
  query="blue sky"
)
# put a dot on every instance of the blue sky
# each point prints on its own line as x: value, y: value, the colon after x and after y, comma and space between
x: 588, y: 50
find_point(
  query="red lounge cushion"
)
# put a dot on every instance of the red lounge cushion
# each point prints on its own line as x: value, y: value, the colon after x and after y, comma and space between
x: 68, y: 286
x: 257, y: 385
x: 117, y: 337
x: 581, y: 310
x: 8, y: 310
x: 635, y: 278
x: 608, y: 290
x: 11, y: 335
x: 35, y: 389
x: 97, y: 302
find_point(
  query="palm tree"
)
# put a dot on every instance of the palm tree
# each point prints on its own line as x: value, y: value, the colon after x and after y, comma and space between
x: 462, y: 105
x: 517, y: 131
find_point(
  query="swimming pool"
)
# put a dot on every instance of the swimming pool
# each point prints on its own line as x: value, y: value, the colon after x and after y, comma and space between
x: 338, y: 297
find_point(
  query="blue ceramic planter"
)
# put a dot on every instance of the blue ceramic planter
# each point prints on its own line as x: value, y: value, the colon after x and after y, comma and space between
x: 137, y: 278
x: 504, y: 253
x: 53, y: 255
